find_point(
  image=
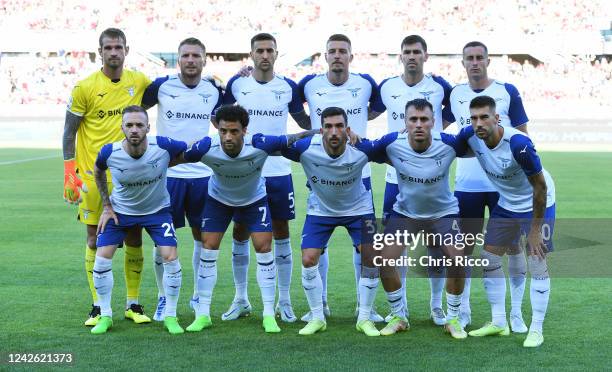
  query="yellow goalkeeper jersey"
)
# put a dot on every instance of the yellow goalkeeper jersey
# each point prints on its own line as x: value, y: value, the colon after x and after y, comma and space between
x: 99, y: 101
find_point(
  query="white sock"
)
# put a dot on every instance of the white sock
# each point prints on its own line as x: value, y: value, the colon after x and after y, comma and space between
x: 103, y: 282
x: 368, y: 284
x: 284, y: 265
x: 173, y: 278
x: 323, y: 269
x: 495, y: 287
x: 357, y: 269
x: 517, y: 270
x: 453, y: 303
x: 313, y: 287
x: 436, y: 280
x: 195, y: 261
x: 395, y: 302
x: 539, y: 292
x: 207, y: 278
x: 240, y: 268
x: 465, y: 296
x: 266, y: 278
x: 158, y: 265
x: 403, y: 273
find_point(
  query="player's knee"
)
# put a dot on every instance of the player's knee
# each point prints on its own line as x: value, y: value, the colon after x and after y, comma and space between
x: 91, y: 242
x: 168, y: 254
x: 309, y: 260
x: 537, y: 267
x: 280, y: 229
x: 491, y: 265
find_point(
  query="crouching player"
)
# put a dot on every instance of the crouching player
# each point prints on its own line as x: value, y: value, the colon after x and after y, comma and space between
x: 236, y: 191
x: 425, y: 204
x: 338, y: 197
x: 138, y: 167
x: 526, y: 206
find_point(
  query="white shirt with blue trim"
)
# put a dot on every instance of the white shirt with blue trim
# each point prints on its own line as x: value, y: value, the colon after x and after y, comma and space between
x: 139, y: 185
x: 268, y: 105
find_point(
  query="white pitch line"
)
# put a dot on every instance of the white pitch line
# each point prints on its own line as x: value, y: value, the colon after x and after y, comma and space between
x: 28, y: 160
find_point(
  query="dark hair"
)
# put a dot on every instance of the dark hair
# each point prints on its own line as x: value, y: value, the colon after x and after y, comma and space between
x: 483, y: 101
x: 333, y: 111
x: 473, y: 44
x: 192, y: 41
x: 261, y: 37
x: 413, y: 39
x: 134, y: 108
x: 339, y: 37
x: 113, y: 33
x: 233, y: 113
x: 419, y: 104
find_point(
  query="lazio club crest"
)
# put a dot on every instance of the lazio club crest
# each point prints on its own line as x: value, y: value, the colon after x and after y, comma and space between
x: 130, y: 91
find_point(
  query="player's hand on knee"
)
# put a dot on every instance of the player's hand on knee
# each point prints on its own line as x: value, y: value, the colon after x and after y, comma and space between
x: 72, y: 183
x: 106, y: 216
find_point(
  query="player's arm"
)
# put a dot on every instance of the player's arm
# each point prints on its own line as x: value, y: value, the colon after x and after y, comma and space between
x: 100, y: 168
x: 274, y: 145
x: 525, y: 155
x: 372, y: 114
x: 516, y: 110
x: 374, y: 105
x: 150, y: 96
x: 534, y: 238
x: 292, y: 138
x: 175, y: 149
x: 376, y: 150
x: 302, y: 119
x: 72, y: 183
x: 195, y: 152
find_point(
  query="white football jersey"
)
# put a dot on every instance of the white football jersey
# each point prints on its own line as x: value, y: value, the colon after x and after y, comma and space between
x: 470, y: 176
x: 336, y: 188
x: 395, y: 93
x: 139, y: 185
x: 354, y: 96
x: 424, y: 190
x: 508, y: 165
x: 236, y: 181
x: 183, y: 113
x: 268, y: 105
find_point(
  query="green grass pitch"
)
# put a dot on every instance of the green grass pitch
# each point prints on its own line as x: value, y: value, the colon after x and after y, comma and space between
x: 44, y: 295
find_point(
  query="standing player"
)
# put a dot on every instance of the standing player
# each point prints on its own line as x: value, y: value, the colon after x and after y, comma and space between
x: 93, y: 118
x: 526, y: 207
x: 421, y: 159
x: 236, y: 191
x: 356, y: 94
x: 186, y: 105
x: 337, y: 197
x: 395, y: 92
x: 138, y: 166
x: 472, y: 188
x: 268, y: 98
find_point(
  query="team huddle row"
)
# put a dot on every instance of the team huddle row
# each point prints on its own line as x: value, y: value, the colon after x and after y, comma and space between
x: 243, y: 175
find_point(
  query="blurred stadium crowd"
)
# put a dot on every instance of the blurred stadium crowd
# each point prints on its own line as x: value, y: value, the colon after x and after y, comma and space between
x: 47, y: 79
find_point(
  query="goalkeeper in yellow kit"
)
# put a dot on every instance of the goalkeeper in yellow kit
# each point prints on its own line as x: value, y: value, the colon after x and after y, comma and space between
x: 93, y: 118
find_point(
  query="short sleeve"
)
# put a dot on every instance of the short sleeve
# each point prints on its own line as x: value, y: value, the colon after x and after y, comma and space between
x: 525, y: 154
x: 374, y: 96
x: 296, y: 105
x: 103, y: 155
x: 173, y: 147
x: 379, y: 105
x: 516, y: 111
x: 198, y: 150
x: 447, y: 114
x: 376, y: 150
x: 459, y: 144
x: 150, y: 97
x: 296, y: 150
x: 228, y: 97
x: 77, y: 103
x: 302, y: 86
x: 269, y: 144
